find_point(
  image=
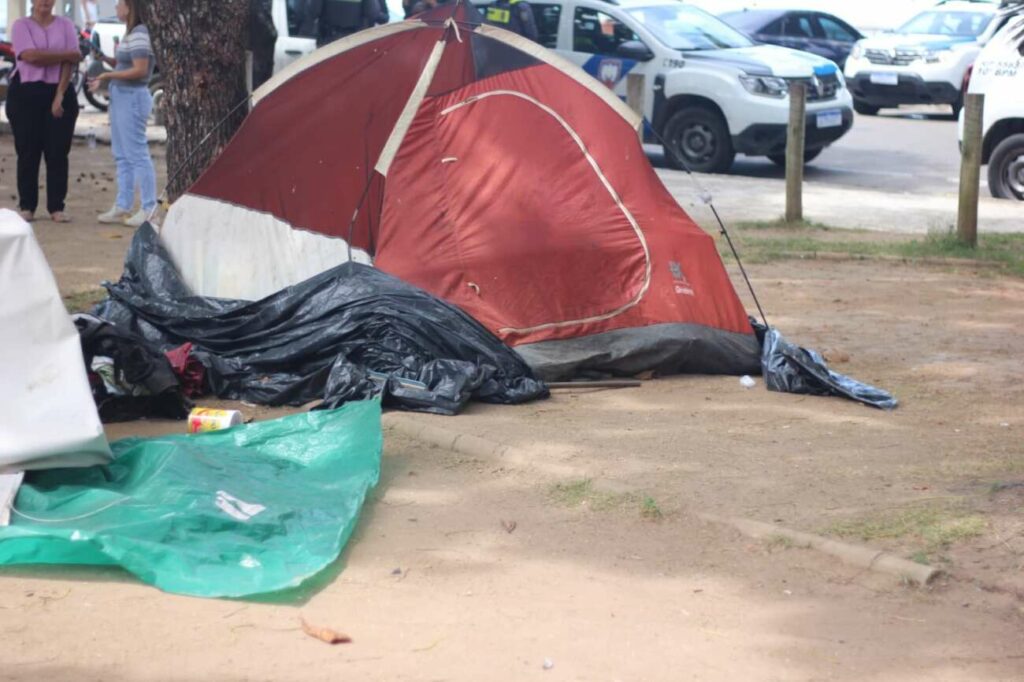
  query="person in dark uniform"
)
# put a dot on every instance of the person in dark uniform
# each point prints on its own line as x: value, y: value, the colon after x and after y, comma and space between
x: 330, y: 20
x: 515, y: 16
x: 262, y: 39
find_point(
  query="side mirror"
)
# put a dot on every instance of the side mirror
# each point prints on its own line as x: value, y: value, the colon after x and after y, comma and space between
x: 634, y: 49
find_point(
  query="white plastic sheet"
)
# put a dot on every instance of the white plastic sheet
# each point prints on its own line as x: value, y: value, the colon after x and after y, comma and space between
x: 47, y: 414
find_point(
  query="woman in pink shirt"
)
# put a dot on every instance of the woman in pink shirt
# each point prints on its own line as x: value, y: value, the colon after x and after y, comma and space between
x: 41, y: 108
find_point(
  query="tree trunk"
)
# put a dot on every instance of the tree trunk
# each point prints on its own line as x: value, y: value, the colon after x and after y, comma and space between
x: 200, y: 48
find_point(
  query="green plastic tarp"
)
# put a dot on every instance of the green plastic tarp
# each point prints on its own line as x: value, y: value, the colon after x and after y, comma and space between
x: 254, y: 509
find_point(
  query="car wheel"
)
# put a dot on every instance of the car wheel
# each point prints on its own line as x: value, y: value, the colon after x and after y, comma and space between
x: 1006, y: 169
x: 697, y: 139
x: 864, y: 108
x: 809, y: 155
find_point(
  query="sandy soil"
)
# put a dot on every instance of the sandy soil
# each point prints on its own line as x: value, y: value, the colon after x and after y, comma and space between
x: 433, y: 587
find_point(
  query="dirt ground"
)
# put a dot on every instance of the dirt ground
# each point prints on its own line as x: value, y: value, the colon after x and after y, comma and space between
x: 609, y: 574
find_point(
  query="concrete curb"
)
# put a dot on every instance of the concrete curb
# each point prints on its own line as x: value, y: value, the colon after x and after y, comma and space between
x: 445, y: 439
x: 474, y: 446
x: 855, y: 555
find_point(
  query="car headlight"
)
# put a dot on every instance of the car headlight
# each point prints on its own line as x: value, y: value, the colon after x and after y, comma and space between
x: 857, y: 52
x: 767, y: 86
x: 840, y: 80
x: 936, y: 56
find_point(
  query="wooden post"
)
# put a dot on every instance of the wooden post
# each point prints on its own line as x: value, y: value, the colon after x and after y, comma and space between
x: 970, y: 170
x: 795, y: 152
x: 635, y: 97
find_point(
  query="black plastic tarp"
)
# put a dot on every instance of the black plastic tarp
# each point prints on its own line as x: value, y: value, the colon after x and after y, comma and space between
x: 788, y: 368
x: 346, y: 334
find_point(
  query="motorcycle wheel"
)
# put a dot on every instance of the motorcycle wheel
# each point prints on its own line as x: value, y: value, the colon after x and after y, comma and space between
x: 100, y: 100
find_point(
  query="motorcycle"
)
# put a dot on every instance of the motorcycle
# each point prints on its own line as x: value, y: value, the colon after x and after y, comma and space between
x: 7, y: 62
x: 92, y: 67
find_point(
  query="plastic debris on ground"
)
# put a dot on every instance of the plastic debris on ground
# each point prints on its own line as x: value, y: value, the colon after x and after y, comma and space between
x: 788, y: 368
x: 251, y: 510
x: 130, y: 378
x: 349, y: 333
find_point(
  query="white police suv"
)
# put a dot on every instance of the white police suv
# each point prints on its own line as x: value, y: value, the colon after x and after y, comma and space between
x: 925, y: 61
x: 999, y: 75
x: 710, y: 92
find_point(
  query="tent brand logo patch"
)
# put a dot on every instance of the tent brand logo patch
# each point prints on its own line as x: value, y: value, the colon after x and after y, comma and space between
x: 609, y: 71
x: 236, y: 508
x: 679, y: 281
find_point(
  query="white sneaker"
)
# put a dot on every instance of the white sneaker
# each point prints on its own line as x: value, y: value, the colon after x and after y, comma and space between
x: 114, y: 215
x: 137, y: 219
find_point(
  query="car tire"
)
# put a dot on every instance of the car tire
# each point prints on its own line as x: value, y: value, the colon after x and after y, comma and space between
x: 809, y: 155
x: 1006, y: 169
x: 697, y: 139
x: 864, y: 108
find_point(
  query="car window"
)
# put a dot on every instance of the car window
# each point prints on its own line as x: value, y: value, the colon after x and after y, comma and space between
x: 834, y: 30
x: 546, y: 18
x: 773, y: 29
x: 963, y: 24
x: 595, y: 32
x: 685, y: 27
x: 296, y: 16
x: 799, y: 26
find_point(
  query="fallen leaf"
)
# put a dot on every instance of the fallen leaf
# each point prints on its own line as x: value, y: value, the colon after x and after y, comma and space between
x: 509, y: 526
x: 324, y: 634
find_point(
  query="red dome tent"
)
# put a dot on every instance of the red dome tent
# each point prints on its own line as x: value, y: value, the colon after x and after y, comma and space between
x: 483, y: 168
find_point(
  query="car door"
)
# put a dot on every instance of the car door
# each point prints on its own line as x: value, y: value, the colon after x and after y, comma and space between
x: 288, y: 19
x: 771, y: 33
x: 798, y: 32
x: 839, y: 37
x: 594, y: 36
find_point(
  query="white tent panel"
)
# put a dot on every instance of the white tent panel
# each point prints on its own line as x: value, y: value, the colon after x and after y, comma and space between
x: 47, y: 414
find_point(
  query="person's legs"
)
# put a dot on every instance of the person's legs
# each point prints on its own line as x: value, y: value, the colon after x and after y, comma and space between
x: 28, y: 127
x: 120, y: 134
x: 58, y: 137
x: 137, y: 148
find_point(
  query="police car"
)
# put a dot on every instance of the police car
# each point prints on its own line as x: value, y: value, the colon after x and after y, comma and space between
x: 925, y: 61
x: 710, y: 92
x: 999, y: 75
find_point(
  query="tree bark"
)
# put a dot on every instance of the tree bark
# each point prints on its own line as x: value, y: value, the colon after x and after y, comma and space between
x: 200, y: 47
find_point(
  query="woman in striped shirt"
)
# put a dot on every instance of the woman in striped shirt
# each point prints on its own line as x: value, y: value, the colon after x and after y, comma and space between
x: 130, y: 106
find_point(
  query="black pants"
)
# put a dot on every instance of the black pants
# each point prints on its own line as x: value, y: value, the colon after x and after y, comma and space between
x: 38, y: 135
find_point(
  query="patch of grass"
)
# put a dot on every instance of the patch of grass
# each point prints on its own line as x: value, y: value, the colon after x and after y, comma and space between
x: 781, y: 223
x: 920, y: 558
x: 83, y: 301
x: 808, y: 240
x: 1000, y: 486
x: 649, y: 509
x: 582, y: 492
x: 936, y: 525
x: 778, y: 542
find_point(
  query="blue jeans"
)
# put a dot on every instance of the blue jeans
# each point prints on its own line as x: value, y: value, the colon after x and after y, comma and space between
x: 129, y: 112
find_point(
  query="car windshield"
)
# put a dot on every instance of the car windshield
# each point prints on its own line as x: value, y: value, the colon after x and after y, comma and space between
x: 959, y: 24
x: 688, y: 28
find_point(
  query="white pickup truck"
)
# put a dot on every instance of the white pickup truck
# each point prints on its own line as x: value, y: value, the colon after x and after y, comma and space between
x: 710, y: 92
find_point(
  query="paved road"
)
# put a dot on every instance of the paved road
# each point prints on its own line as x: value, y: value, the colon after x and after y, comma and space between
x: 908, y: 150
